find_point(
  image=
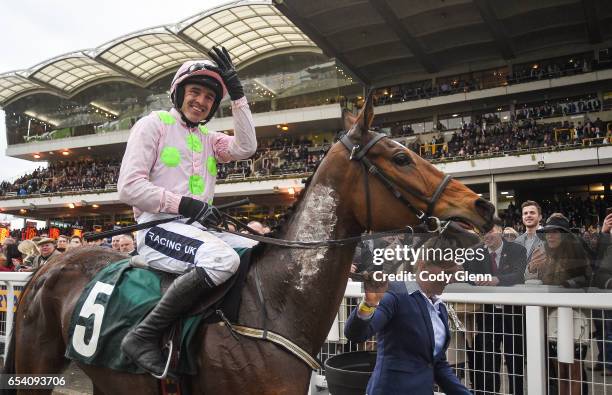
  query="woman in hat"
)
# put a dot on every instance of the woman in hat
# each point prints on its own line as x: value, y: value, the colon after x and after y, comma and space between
x: 565, y: 261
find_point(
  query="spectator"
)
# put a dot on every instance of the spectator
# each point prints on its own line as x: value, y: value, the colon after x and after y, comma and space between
x: 510, y: 234
x: 603, y: 275
x: 126, y: 245
x: 566, y: 262
x: 4, y: 264
x: 602, y: 278
x: 97, y: 242
x: 47, y: 250
x: 408, y: 364
x: 8, y: 241
x: 13, y: 258
x: 62, y: 243
x: 29, y: 252
x: 75, y: 241
x: 506, y: 262
x: 115, y: 240
x: 531, y: 215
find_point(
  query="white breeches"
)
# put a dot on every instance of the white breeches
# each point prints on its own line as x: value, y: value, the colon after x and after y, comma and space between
x: 177, y: 247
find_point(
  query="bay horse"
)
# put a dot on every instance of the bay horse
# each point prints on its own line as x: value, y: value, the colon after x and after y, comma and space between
x: 302, y: 288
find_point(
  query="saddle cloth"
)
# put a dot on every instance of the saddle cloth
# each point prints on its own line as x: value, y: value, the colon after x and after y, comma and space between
x: 120, y: 296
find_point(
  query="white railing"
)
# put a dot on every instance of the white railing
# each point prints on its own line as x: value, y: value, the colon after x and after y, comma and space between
x: 11, y: 282
x: 542, y: 305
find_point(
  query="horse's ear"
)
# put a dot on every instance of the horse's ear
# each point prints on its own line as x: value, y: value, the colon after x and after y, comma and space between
x: 366, y: 115
x: 348, y: 119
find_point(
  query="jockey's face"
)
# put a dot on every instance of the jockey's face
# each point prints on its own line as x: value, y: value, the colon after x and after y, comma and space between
x: 197, y: 102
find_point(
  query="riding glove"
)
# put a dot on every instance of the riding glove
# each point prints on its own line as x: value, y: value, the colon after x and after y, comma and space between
x: 206, y: 214
x: 227, y: 72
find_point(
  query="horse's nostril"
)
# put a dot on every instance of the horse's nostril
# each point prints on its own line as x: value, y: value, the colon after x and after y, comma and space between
x: 485, y: 208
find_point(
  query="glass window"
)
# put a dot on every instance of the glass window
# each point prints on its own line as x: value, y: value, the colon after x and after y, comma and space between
x: 418, y: 127
x: 454, y: 123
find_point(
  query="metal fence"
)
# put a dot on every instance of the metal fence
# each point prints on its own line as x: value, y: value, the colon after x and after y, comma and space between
x: 9, y: 283
x: 515, y: 340
x: 504, y: 340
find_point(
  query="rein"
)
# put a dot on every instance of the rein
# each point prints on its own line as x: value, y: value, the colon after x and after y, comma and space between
x: 311, y: 244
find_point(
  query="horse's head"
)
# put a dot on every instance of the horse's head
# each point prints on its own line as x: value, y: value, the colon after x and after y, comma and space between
x: 402, y: 185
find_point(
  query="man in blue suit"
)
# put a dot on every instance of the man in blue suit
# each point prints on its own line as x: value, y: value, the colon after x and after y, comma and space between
x: 411, y: 327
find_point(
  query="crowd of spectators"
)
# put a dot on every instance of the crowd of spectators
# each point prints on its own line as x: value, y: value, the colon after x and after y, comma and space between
x: 475, y: 81
x: 423, y: 90
x: 241, y: 169
x: 65, y: 176
x: 284, y: 142
x: 559, y: 109
x: 286, y: 155
x: 475, y: 140
x: 290, y: 160
x: 547, y: 70
x: 26, y: 254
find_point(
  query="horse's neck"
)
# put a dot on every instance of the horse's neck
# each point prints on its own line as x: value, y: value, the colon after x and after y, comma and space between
x: 303, y: 287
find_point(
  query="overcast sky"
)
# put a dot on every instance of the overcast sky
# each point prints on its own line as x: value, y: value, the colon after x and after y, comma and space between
x: 35, y: 30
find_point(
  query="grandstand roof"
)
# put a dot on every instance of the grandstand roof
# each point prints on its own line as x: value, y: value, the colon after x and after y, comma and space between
x: 249, y: 29
x: 377, y: 40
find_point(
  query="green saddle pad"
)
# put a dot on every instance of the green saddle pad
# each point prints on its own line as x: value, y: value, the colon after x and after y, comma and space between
x: 116, y: 300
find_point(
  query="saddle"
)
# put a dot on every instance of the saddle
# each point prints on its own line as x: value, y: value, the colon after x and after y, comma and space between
x: 221, y: 304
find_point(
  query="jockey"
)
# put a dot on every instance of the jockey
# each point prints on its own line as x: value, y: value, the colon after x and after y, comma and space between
x: 170, y: 167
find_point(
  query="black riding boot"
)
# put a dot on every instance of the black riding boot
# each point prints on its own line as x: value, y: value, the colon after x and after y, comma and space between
x: 141, y: 344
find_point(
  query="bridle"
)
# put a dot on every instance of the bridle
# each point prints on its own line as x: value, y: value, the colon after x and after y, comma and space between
x: 358, y: 153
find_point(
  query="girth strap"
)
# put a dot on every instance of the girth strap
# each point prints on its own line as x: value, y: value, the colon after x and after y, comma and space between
x: 279, y: 340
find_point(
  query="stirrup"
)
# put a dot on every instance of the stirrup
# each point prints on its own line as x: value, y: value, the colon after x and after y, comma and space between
x: 169, y: 345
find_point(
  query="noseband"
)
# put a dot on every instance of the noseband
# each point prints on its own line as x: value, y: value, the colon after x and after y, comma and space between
x: 358, y: 153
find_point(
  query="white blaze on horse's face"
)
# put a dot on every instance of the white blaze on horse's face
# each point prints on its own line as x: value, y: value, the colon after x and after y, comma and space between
x: 316, y: 221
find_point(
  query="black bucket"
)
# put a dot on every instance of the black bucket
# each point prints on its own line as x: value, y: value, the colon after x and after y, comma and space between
x: 349, y: 373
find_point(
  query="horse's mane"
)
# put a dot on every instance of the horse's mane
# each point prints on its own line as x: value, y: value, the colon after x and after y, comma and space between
x: 286, y: 217
x: 284, y: 221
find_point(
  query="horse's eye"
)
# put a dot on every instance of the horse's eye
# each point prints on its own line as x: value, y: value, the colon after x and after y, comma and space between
x: 401, y: 159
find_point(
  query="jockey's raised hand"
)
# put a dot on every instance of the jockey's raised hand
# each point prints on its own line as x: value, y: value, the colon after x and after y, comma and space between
x: 196, y: 210
x: 227, y: 71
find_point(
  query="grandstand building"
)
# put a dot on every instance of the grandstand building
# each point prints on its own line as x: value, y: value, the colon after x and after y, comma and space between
x: 514, y: 100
